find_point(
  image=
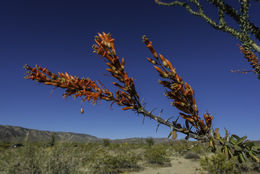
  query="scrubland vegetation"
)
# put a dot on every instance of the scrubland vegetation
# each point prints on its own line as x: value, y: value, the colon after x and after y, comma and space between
x: 112, y: 158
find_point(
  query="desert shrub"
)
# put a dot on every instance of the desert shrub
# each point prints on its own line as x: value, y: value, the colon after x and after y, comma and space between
x: 219, y: 164
x: 120, y: 147
x: 114, y: 164
x: 255, y: 167
x: 250, y: 166
x: 181, y: 147
x: 106, y: 142
x: 60, y: 159
x: 4, y: 145
x: 33, y: 159
x: 88, y: 154
x: 149, y: 141
x: 191, y: 155
x: 115, y: 145
x: 52, y: 140
x: 157, y: 155
x: 199, y: 148
x: 20, y: 160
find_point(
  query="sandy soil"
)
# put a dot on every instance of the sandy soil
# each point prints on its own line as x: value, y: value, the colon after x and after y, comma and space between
x: 179, y: 165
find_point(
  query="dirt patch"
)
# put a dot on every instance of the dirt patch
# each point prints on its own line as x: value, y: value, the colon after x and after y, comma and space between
x: 179, y: 165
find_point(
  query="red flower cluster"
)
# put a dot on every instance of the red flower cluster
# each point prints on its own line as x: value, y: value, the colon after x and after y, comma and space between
x: 181, y: 93
x: 251, y: 57
x: 126, y: 96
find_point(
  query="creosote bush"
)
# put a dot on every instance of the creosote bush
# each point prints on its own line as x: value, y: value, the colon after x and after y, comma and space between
x: 114, y: 164
x: 157, y: 155
x: 38, y: 159
x: 180, y: 147
x: 106, y: 142
x: 191, y: 155
x: 149, y: 141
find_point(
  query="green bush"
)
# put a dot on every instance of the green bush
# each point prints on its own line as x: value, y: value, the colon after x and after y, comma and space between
x: 53, y: 140
x: 255, y: 167
x: 181, y: 147
x: 191, y: 155
x: 157, y: 155
x: 106, y: 142
x: 149, y: 141
x: 199, y: 148
x: 114, y: 164
x: 60, y: 159
x: 20, y: 160
x: 33, y: 159
x: 219, y: 164
x: 5, y: 145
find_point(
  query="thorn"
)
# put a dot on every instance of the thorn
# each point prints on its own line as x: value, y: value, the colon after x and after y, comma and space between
x: 142, y: 100
x: 160, y: 113
x: 169, y: 118
x: 152, y: 110
x: 144, y: 105
x: 157, y: 127
x: 177, y: 119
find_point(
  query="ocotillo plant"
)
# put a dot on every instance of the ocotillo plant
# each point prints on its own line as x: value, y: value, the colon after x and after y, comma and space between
x: 180, y: 92
x: 246, y: 27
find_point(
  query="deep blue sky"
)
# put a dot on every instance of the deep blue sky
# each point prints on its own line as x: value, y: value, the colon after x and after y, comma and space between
x: 59, y: 35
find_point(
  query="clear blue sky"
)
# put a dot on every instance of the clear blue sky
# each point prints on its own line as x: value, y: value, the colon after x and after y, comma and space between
x: 59, y: 35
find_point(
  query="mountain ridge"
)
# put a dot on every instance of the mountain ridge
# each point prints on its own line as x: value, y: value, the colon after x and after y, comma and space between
x: 18, y: 134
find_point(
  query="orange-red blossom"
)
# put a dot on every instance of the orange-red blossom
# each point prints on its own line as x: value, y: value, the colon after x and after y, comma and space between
x: 181, y: 92
x: 126, y: 96
x: 251, y: 57
x: 105, y: 47
x: 73, y: 85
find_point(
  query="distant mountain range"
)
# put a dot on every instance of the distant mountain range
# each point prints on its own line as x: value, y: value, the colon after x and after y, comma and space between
x: 17, y: 134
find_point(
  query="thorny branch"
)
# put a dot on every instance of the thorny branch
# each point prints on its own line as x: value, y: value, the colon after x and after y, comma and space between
x: 223, y: 8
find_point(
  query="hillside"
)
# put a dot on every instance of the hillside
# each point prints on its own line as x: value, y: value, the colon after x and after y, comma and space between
x: 19, y: 134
